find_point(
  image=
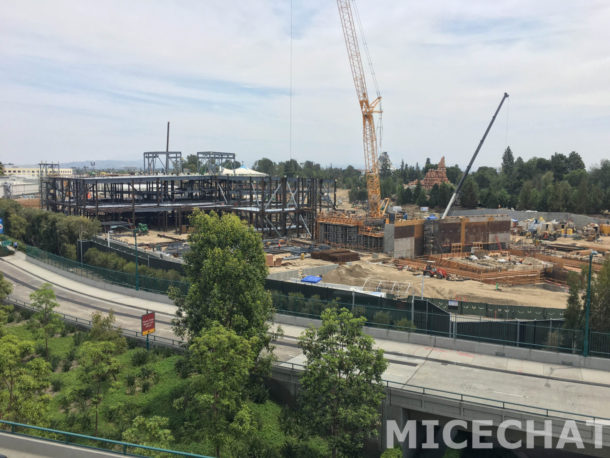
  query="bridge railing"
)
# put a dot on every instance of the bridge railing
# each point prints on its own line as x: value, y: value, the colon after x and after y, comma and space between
x: 90, y: 442
x: 297, y: 368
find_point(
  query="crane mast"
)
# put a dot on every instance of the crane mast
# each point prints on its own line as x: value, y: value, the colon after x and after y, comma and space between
x: 368, y: 109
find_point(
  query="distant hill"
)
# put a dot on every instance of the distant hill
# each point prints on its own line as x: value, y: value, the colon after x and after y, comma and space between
x: 104, y: 164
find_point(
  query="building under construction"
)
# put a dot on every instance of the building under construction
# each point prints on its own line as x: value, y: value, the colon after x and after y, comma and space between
x: 275, y: 206
x: 415, y: 238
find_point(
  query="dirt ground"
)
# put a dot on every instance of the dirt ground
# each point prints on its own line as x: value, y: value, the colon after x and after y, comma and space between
x: 151, y: 238
x: 358, y: 272
x: 602, y: 243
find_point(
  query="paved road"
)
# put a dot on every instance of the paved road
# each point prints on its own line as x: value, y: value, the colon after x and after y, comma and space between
x: 564, y: 388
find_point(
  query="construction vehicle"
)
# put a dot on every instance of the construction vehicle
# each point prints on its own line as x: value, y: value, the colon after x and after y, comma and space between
x: 433, y: 271
x: 369, y: 135
x: 474, y: 156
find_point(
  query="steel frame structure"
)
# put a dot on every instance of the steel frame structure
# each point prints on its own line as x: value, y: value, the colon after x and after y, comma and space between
x: 275, y: 206
x: 172, y: 162
x: 213, y: 160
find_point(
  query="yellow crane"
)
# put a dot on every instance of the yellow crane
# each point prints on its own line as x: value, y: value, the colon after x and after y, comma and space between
x: 368, y: 109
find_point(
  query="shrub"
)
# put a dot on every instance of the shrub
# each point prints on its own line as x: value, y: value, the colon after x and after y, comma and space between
x: 130, y: 380
x: 78, y: 338
x: 132, y: 343
x: 404, y: 323
x: 139, y: 357
x: 40, y: 349
x: 146, y: 384
x: 183, y: 367
x: 56, y: 384
x: 382, y: 318
x: 54, y: 361
x: 359, y: 310
x: 67, y: 365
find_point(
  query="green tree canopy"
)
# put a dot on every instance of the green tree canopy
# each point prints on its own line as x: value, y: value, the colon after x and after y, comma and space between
x: 99, y: 369
x: 221, y: 360
x: 341, y: 388
x: 226, y: 270
x: 469, y: 195
x: 44, y: 321
x: 151, y: 431
x: 23, y: 381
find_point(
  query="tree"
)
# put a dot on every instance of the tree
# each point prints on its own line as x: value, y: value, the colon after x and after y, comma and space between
x: 508, y: 162
x: 600, y: 299
x: 469, y: 196
x: 6, y: 288
x: 98, y: 370
x: 152, y: 432
x: 528, y: 197
x: 44, y: 321
x: 191, y: 163
x: 575, y: 162
x: 222, y: 360
x: 265, y: 165
x: 226, y: 270
x: 23, y: 381
x: 341, y: 387
x: 104, y: 330
x: 385, y: 165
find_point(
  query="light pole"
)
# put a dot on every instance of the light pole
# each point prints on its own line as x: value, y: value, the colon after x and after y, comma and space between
x: 585, y: 346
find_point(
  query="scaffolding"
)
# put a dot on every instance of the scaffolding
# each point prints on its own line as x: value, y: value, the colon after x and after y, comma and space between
x: 275, y: 206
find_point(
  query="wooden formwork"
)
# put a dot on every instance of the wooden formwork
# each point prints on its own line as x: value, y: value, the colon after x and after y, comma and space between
x: 506, y: 277
x: 558, y: 261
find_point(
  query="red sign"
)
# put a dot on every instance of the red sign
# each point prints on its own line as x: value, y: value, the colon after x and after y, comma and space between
x: 148, y: 323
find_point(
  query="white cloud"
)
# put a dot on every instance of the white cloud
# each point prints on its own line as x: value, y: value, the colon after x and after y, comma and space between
x: 98, y: 80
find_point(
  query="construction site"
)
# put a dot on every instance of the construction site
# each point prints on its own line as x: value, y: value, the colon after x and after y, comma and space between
x: 304, y: 226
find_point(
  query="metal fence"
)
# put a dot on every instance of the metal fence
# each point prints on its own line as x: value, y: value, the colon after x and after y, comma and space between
x: 90, y: 442
x: 425, y: 318
x: 151, y: 284
x: 505, y: 325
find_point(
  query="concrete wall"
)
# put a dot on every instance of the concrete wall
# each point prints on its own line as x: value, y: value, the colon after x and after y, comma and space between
x: 291, y: 274
x: 528, y: 354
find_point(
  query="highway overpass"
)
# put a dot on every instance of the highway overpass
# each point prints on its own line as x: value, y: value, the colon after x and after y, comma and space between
x: 427, y: 376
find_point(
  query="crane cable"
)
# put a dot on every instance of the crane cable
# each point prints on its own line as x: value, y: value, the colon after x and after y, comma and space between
x: 367, y: 55
x: 291, y: 86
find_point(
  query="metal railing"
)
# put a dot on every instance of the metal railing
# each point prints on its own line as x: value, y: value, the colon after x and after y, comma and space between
x: 86, y: 323
x: 82, y: 440
x: 389, y: 384
x: 469, y: 398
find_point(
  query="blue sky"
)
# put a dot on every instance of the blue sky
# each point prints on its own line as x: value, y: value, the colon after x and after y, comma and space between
x: 86, y: 80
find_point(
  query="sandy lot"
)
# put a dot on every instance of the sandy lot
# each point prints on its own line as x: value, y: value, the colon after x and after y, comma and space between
x: 357, y: 273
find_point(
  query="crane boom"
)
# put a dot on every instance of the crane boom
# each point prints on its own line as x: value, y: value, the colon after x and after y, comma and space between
x: 368, y: 109
x: 474, y: 156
